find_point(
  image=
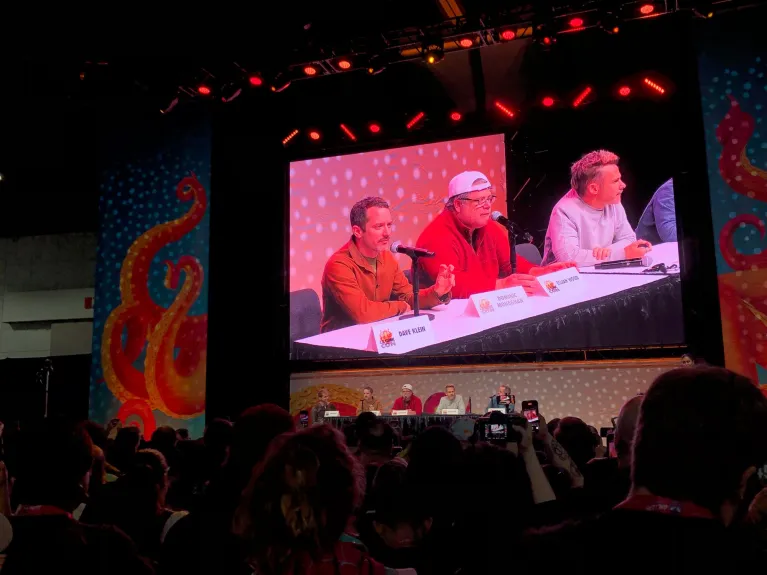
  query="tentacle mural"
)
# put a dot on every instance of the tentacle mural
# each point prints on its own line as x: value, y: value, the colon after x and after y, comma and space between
x: 139, y: 324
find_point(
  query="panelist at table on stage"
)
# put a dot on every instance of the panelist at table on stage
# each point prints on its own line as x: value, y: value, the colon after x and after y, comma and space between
x: 589, y: 224
x: 362, y: 282
x: 465, y: 236
x: 408, y: 401
x: 368, y: 402
x: 451, y: 401
x: 658, y: 222
x: 504, y: 398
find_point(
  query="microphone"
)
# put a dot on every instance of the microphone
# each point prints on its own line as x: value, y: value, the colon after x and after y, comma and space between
x: 398, y: 248
x: 497, y: 216
x: 642, y: 262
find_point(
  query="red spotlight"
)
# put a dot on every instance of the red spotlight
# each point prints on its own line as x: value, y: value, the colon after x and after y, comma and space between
x: 582, y: 96
x: 203, y: 90
x: 508, y: 35
x: 466, y: 42
x: 653, y: 86
x: 646, y: 9
x: 348, y: 132
x: 504, y: 109
x: 374, y: 128
x: 547, y: 40
x: 344, y: 64
x: 624, y: 91
x: 417, y: 118
x: 289, y: 137
x: 255, y: 80
x: 548, y: 101
x: 455, y: 116
x: 576, y: 23
x: 310, y: 70
x: 315, y: 135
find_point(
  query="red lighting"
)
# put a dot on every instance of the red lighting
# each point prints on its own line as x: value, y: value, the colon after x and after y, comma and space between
x: 455, y: 116
x: 348, y: 132
x: 344, y: 64
x: 576, y: 23
x: 310, y: 70
x: 508, y: 35
x: 548, y: 101
x: 203, y: 90
x: 289, y: 137
x: 624, y: 91
x: 255, y: 80
x: 646, y: 9
x: 315, y: 135
x: 581, y: 97
x: 466, y: 42
x: 547, y: 41
x: 504, y: 109
x: 375, y: 128
x: 652, y: 85
x: 417, y: 118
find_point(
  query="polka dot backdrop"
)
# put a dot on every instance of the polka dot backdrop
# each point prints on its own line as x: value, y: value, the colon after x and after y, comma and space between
x: 734, y: 95
x: 136, y: 197
x: 593, y: 393
x: 413, y: 180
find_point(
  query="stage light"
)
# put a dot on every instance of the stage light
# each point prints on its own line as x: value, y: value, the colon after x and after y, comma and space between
x: 624, y: 91
x: 575, y: 23
x: 499, y: 105
x: 508, y: 35
x: 203, y: 90
x: 582, y: 96
x: 280, y: 83
x: 315, y: 135
x: 654, y: 86
x: 610, y: 23
x: 310, y: 70
x: 374, y: 128
x: 344, y: 64
x: 455, y: 116
x: 345, y: 129
x: 466, y: 42
x: 415, y: 120
x: 289, y: 137
x: 548, y: 101
x: 255, y: 80
x: 229, y: 92
x: 376, y: 65
x: 433, y: 51
x: 646, y: 9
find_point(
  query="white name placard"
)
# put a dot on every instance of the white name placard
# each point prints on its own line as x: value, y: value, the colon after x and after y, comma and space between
x: 501, y: 409
x: 507, y: 303
x: 397, y: 412
x: 450, y: 412
x: 376, y: 413
x: 401, y: 336
x: 562, y: 283
x: 332, y: 414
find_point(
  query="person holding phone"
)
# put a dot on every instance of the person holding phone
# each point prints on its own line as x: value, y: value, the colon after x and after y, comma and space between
x: 504, y: 398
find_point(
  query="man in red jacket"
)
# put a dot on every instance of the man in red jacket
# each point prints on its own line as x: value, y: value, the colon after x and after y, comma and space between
x: 464, y: 235
x: 408, y: 401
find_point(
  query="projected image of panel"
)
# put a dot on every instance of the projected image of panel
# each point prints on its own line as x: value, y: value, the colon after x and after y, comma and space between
x: 359, y: 223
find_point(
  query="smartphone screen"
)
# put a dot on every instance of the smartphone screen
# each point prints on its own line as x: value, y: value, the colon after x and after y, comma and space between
x: 496, y: 432
x: 303, y: 419
x: 530, y: 411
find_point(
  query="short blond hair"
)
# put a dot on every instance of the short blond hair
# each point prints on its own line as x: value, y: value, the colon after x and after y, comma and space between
x: 583, y: 172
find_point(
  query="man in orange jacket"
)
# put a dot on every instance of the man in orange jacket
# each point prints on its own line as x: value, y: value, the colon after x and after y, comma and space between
x: 362, y: 282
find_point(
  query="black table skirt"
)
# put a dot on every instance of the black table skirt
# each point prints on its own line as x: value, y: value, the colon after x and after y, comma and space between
x: 647, y: 315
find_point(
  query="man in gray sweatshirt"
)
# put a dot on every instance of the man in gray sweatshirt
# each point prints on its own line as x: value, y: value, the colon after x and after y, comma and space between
x: 451, y: 401
x: 589, y: 224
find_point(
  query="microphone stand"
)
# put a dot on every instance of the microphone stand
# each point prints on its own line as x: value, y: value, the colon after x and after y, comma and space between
x: 416, y: 287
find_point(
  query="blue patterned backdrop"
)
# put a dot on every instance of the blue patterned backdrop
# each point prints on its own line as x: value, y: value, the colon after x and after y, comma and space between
x: 139, y: 193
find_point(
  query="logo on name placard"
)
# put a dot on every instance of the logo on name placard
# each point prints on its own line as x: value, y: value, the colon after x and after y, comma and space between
x: 485, y: 306
x: 386, y: 338
x: 551, y: 287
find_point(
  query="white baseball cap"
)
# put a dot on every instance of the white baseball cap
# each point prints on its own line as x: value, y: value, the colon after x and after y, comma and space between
x: 407, y: 386
x: 463, y: 183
